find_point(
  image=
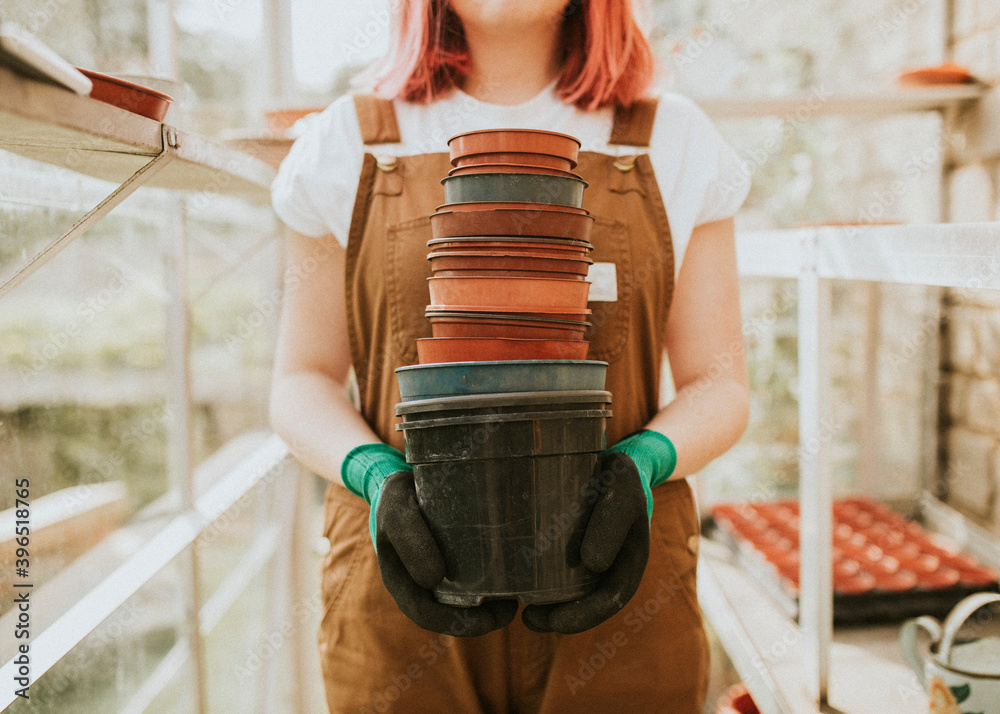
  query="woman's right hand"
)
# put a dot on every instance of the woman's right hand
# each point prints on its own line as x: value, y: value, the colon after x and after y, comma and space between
x: 411, y: 565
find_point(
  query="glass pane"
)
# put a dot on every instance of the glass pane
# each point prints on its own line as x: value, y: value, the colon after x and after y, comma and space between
x: 116, y: 667
x: 234, y: 269
x: 83, y: 412
x: 245, y: 643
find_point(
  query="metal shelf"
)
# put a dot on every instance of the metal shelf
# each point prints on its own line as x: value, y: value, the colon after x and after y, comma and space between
x: 957, y: 255
x: 867, y: 671
x: 43, y: 122
x: 803, y: 667
x: 867, y: 674
x: 822, y: 102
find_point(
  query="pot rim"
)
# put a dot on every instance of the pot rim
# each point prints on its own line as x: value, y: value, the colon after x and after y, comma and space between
x: 523, y: 206
x: 529, y: 310
x: 475, y: 169
x: 479, y: 177
x: 501, y: 254
x: 514, y: 131
x: 573, y: 324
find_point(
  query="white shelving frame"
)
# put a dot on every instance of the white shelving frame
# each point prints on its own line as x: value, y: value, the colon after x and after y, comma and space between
x: 791, y: 668
x: 48, y: 124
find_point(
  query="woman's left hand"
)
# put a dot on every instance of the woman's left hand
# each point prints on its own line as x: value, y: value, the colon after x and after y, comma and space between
x: 615, y: 544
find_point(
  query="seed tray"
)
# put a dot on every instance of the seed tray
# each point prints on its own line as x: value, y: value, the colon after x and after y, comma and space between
x: 886, y: 566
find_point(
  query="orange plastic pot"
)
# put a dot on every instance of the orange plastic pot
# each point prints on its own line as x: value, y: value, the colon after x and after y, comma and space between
x: 128, y: 96
x: 737, y: 700
x: 507, y: 260
x: 531, y: 313
x: 513, y: 245
x: 520, y: 186
x: 533, y: 219
x: 510, y: 293
x: 487, y: 273
x: 432, y: 350
x: 459, y: 206
x: 514, y: 140
x: 461, y: 326
x: 522, y: 158
x: 510, y: 169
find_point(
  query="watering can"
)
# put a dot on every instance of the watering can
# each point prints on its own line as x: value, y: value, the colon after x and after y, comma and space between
x: 961, y: 677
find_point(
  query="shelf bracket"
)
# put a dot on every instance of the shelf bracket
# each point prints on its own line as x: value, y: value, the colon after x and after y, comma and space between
x: 167, y: 152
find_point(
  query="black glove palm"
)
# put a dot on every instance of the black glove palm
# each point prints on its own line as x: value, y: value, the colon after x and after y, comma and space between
x: 411, y: 564
x: 615, y: 543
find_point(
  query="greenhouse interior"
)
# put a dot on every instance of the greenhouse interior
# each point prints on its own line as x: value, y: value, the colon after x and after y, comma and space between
x: 174, y: 549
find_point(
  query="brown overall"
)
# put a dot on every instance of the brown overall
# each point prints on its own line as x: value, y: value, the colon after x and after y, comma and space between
x: 650, y: 657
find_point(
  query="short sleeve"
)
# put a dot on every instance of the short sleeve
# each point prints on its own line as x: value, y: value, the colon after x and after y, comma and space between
x: 729, y: 179
x: 701, y: 178
x: 314, y: 191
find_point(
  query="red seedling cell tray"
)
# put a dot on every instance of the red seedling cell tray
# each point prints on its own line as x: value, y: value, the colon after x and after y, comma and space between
x: 886, y: 567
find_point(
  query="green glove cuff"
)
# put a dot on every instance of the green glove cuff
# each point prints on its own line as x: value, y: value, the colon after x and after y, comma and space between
x: 366, y: 468
x: 655, y: 457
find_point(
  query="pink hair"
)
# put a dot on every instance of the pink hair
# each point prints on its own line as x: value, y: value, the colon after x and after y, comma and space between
x: 606, y: 58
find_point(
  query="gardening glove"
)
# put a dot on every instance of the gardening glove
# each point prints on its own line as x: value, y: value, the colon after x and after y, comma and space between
x: 616, y: 540
x: 409, y: 560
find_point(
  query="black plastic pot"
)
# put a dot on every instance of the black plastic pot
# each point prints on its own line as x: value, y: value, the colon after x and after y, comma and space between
x: 536, y: 188
x: 507, y: 494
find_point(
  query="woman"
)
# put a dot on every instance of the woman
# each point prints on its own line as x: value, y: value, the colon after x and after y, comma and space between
x: 663, y: 188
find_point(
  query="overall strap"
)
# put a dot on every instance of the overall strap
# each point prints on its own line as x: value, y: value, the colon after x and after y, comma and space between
x: 633, y: 125
x: 377, y: 119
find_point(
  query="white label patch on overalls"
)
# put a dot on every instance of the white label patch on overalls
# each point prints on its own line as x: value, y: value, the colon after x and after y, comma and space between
x: 603, y: 282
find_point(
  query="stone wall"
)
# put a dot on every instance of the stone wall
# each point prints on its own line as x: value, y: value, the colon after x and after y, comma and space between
x: 970, y: 438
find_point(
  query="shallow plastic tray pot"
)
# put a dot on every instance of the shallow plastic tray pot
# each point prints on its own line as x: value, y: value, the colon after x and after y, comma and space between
x: 129, y: 96
x: 514, y: 140
x: 515, y: 245
x: 511, y: 169
x: 531, y: 188
x: 507, y: 260
x: 433, y: 350
x: 525, y: 158
x: 541, y: 220
x: 511, y: 294
x: 531, y: 312
x: 426, y: 381
x: 451, y: 325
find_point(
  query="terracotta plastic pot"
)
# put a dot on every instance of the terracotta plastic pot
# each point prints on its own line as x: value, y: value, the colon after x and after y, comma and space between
x: 895, y: 582
x: 938, y: 579
x: 530, y: 188
x: 510, y: 293
x: 434, y: 350
x: 128, y: 96
x: 534, y: 312
x: 514, y: 140
x: 455, y: 326
x: 737, y: 700
x: 504, y: 260
x: 511, y: 169
x: 512, y: 220
x: 524, y: 158
x: 513, y: 245
x: 487, y: 273
x: 500, y: 204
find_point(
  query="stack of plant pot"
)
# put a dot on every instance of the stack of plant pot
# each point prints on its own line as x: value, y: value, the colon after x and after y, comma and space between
x: 504, y: 417
x: 510, y: 252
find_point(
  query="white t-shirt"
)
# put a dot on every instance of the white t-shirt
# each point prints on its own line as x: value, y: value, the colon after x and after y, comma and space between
x: 700, y: 177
